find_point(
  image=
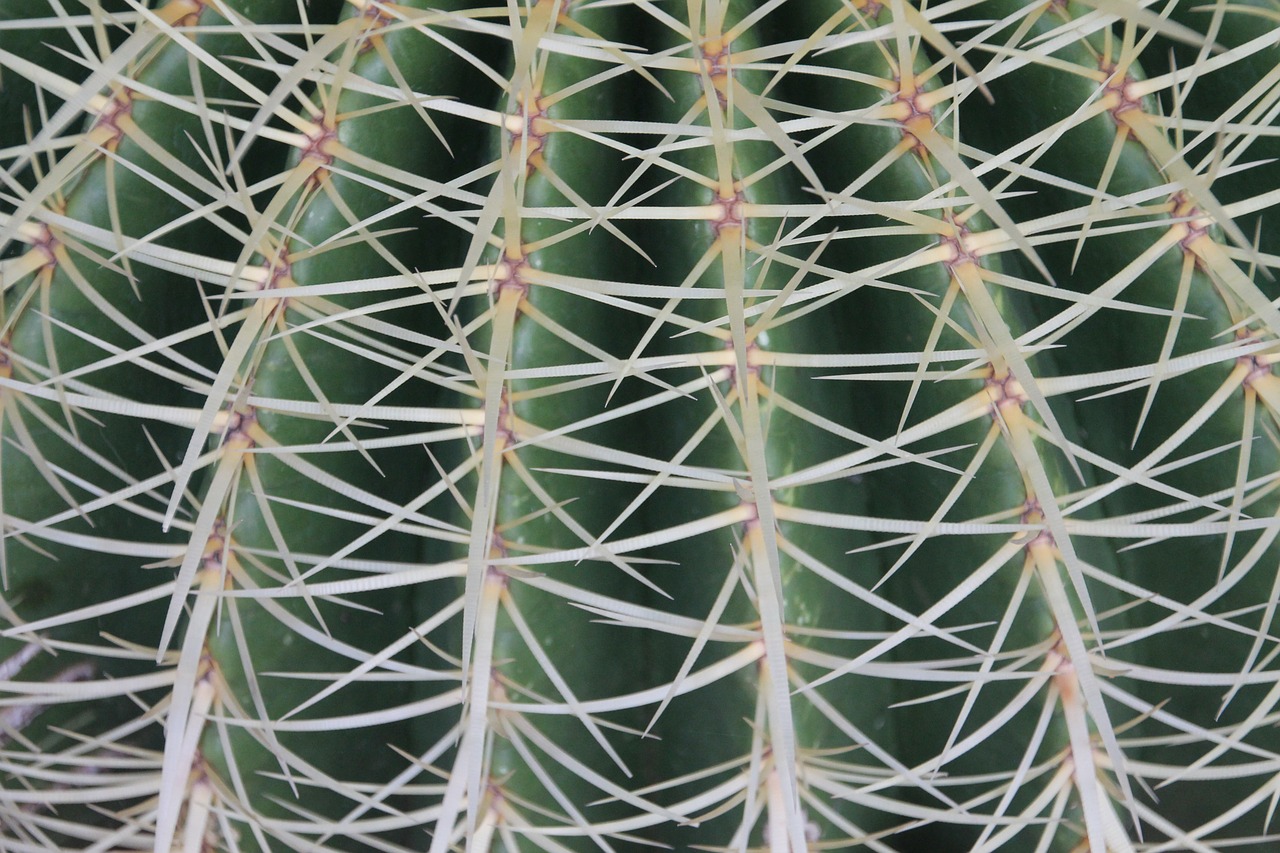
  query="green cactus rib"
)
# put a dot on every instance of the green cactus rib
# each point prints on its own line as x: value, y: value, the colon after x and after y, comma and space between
x: 1183, y: 271
x: 281, y: 505
x: 757, y: 421
x: 604, y: 425
x: 1000, y: 476
x: 523, y: 641
x: 80, y: 483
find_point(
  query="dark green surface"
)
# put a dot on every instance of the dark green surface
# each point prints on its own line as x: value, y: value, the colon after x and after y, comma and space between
x: 715, y: 724
x: 1183, y: 569
x: 586, y: 653
x: 366, y: 621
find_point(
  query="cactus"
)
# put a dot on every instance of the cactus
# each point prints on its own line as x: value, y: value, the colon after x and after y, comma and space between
x: 614, y: 424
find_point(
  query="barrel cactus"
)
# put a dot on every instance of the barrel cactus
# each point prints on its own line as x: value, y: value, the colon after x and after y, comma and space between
x: 615, y: 424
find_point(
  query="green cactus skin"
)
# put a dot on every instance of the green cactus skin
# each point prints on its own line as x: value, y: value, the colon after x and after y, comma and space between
x: 529, y: 643
x: 757, y: 408
x: 593, y: 425
x: 80, y: 513
x: 32, y: 31
x: 252, y: 639
x: 268, y: 528
x: 998, y: 468
x: 1225, y: 95
x: 1135, y: 429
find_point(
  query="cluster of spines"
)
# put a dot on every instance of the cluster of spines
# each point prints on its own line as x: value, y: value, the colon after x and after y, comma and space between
x: 722, y: 347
